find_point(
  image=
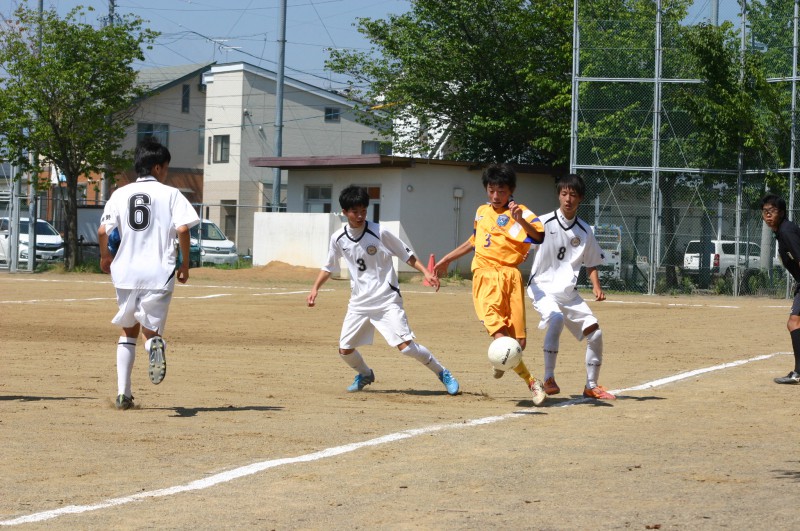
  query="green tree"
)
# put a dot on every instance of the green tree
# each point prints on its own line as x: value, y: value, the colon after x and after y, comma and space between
x: 735, y: 110
x: 493, y: 74
x: 68, y: 96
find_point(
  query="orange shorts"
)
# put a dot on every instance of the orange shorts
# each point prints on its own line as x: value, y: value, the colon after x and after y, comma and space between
x: 500, y: 300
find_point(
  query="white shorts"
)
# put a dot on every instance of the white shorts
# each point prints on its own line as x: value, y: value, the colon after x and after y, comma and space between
x: 144, y: 306
x: 577, y: 314
x: 359, y: 328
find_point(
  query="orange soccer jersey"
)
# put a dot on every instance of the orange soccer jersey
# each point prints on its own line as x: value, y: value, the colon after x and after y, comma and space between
x: 501, y: 244
x: 498, y: 239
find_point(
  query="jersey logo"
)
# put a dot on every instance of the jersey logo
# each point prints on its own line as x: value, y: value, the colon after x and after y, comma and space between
x: 502, y: 220
x: 371, y: 249
x: 576, y: 241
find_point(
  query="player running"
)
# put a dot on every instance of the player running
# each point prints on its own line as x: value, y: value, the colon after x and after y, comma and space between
x: 149, y: 216
x: 375, y: 300
x: 569, y: 243
x: 501, y: 238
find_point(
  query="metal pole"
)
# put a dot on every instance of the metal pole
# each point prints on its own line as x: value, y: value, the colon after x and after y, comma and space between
x: 654, y: 190
x: 104, y: 187
x: 33, y: 178
x: 276, y: 180
x: 576, y: 41
x: 793, y: 132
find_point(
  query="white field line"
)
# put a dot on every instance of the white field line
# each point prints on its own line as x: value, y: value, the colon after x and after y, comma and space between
x: 254, y: 468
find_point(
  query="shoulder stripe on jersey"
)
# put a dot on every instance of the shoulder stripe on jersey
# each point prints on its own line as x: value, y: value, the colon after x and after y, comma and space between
x: 578, y: 223
x: 367, y: 229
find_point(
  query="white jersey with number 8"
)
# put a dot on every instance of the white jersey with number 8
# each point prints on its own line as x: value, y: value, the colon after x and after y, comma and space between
x: 567, y: 245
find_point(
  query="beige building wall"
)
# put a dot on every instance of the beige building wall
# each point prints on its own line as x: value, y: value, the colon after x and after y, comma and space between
x: 241, y: 102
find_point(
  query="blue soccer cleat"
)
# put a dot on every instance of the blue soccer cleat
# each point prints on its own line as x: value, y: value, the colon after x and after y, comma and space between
x: 361, y: 381
x: 449, y: 382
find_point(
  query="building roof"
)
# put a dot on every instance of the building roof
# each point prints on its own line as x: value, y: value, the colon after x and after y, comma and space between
x: 165, y: 77
x: 379, y: 161
x: 334, y: 96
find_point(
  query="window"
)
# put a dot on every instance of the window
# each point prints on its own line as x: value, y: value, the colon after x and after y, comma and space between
x: 222, y: 148
x: 201, y: 138
x: 318, y: 199
x: 186, y: 91
x: 371, y: 147
x: 333, y: 114
x: 158, y: 131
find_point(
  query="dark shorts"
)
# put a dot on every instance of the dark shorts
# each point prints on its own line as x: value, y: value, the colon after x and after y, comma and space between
x: 796, y: 301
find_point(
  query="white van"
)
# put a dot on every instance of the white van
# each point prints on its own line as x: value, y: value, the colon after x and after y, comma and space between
x: 723, y: 257
x: 49, y: 243
x: 215, y: 248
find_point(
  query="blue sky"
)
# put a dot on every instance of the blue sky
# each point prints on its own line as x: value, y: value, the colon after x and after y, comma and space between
x: 196, y: 31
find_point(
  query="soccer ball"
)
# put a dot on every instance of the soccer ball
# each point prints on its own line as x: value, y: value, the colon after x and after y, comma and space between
x: 505, y: 353
x: 113, y: 241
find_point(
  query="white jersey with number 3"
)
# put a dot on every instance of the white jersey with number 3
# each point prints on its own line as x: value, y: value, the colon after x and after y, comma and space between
x: 147, y: 214
x: 368, y: 254
x: 568, y: 245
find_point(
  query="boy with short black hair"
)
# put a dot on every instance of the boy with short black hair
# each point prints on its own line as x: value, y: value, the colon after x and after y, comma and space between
x: 502, y: 234
x: 375, y: 300
x: 569, y: 244
x: 787, y: 233
x: 148, y: 216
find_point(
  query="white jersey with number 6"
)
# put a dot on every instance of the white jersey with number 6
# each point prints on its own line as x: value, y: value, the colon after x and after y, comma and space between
x: 568, y: 245
x: 368, y: 254
x: 147, y: 214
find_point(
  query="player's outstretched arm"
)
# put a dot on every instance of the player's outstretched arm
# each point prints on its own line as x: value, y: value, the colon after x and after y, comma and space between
x: 440, y: 269
x: 321, y: 279
x: 597, y: 289
x: 430, y: 276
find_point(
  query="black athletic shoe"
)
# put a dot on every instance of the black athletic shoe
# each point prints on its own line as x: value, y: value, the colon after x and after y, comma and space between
x: 791, y: 378
x: 124, y: 402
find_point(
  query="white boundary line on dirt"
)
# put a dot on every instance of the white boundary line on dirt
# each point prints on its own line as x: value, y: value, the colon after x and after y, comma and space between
x: 248, y: 470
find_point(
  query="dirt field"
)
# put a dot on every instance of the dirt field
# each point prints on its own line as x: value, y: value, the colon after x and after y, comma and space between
x: 252, y: 427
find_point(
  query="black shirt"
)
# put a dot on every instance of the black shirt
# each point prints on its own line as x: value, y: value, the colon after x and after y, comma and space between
x: 788, y: 236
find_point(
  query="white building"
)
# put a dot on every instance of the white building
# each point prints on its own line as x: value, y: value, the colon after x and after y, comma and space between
x: 428, y: 203
x: 240, y: 125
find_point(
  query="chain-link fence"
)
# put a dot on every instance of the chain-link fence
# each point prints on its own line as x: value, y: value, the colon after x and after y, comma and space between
x: 673, y: 213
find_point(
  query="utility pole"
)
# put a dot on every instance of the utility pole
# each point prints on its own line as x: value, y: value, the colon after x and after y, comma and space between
x: 33, y: 178
x: 276, y: 180
x: 104, y: 187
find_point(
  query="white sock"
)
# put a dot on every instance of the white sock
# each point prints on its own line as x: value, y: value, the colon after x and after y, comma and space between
x: 594, y: 357
x: 126, y: 354
x: 555, y: 325
x: 424, y: 356
x: 355, y: 361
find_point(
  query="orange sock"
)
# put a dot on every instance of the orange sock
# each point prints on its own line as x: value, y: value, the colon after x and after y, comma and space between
x: 524, y: 373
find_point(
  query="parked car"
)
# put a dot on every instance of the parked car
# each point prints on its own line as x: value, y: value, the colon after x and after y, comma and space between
x: 723, y: 257
x: 49, y: 243
x: 215, y: 247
